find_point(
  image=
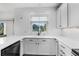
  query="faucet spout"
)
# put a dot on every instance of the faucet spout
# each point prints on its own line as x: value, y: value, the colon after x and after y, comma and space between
x: 39, y: 32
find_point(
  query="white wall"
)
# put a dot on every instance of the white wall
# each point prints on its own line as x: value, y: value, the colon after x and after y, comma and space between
x: 23, y: 17
x: 71, y: 33
x: 6, y: 15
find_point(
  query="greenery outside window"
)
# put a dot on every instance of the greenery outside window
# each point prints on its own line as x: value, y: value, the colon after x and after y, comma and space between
x: 2, y: 29
x: 39, y: 24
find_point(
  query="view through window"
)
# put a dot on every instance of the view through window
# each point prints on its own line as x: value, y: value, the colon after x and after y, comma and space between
x: 39, y: 24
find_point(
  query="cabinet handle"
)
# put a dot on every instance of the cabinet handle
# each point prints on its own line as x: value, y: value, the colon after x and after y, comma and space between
x: 30, y: 40
x: 62, y: 46
x: 61, y: 55
x: 62, y: 51
x: 43, y: 40
x: 59, y: 25
x: 37, y: 43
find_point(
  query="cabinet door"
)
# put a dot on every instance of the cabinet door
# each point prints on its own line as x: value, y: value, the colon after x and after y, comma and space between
x: 62, y: 20
x: 58, y: 18
x: 64, y: 50
x: 47, y: 47
x: 29, y: 46
x: 73, y: 14
x: 63, y: 15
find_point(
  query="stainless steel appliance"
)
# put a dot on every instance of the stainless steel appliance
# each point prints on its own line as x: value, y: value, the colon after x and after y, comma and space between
x: 75, y: 52
x: 12, y: 50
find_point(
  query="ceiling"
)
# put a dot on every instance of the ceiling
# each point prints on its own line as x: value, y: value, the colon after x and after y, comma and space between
x: 12, y: 6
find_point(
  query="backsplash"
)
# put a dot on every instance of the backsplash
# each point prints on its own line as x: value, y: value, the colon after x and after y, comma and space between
x: 73, y: 32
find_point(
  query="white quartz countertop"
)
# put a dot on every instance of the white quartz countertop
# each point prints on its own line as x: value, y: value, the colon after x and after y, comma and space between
x: 73, y: 43
x: 6, y: 41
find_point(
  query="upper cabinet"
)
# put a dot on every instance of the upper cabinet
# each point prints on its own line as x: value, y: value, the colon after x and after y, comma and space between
x: 62, y: 16
x: 73, y: 10
x: 58, y: 18
x: 68, y: 15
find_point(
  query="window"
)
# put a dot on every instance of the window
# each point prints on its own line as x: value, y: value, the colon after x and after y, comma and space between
x: 2, y: 29
x: 39, y: 24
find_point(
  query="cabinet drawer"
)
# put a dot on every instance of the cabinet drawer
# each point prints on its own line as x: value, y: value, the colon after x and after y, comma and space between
x: 29, y: 40
x: 64, y: 47
x: 62, y: 53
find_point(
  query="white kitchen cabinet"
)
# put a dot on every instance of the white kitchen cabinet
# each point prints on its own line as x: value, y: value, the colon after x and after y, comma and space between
x: 29, y: 46
x: 58, y: 18
x: 43, y: 48
x: 73, y: 10
x: 39, y: 46
x: 64, y: 50
x: 63, y: 15
x: 47, y: 47
x: 62, y: 20
x: 68, y: 15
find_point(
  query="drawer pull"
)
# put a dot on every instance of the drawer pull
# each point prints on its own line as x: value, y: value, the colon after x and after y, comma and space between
x: 30, y: 40
x: 62, y: 51
x: 61, y: 55
x: 37, y: 43
x: 62, y: 46
x: 43, y: 40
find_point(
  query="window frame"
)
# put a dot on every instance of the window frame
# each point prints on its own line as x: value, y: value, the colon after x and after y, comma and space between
x: 46, y: 23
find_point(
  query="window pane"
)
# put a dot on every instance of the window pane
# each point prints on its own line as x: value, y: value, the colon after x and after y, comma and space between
x: 1, y: 28
x: 39, y: 24
x: 35, y: 19
x: 43, y: 27
x: 35, y: 26
x: 43, y: 18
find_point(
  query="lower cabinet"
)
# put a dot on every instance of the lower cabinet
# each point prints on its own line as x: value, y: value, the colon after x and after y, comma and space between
x: 47, y: 47
x: 39, y: 46
x: 29, y: 46
x: 64, y: 50
x: 12, y: 50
